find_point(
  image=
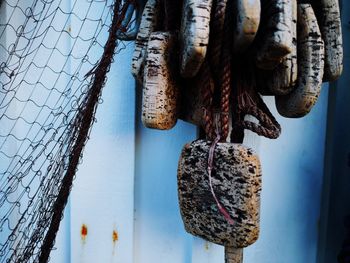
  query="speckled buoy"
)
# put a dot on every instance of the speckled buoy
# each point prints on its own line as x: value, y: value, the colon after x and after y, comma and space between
x: 277, y: 39
x: 194, y: 35
x: 160, y: 91
x: 301, y: 100
x: 149, y: 23
x: 236, y: 180
x: 247, y: 20
x: 282, y: 79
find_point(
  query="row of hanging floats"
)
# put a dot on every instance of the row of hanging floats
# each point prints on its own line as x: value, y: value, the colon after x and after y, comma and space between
x: 208, y: 62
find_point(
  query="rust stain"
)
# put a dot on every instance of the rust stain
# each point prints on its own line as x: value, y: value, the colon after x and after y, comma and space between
x: 83, y: 232
x: 115, y: 236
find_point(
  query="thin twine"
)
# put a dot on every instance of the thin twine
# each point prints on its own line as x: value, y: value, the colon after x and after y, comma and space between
x: 222, y: 209
x: 217, y: 50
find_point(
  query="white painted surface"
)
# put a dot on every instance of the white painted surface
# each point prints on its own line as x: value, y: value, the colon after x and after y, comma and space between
x: 102, y: 197
x: 159, y: 234
x: 103, y: 193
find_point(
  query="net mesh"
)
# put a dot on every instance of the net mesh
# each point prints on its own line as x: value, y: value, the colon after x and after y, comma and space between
x: 54, y: 56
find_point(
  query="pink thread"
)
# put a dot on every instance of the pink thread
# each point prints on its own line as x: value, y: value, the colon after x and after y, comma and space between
x: 222, y: 209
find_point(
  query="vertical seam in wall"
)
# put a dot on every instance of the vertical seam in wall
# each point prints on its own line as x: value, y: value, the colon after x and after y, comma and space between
x: 327, y: 176
x: 138, y: 99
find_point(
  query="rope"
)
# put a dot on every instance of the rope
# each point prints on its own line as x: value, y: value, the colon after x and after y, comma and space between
x: 251, y: 103
x: 222, y: 209
x: 218, y: 67
x: 216, y: 36
x: 207, y: 82
x: 225, y: 76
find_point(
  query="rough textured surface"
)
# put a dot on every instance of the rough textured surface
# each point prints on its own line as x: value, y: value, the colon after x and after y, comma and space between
x: 310, y: 67
x: 277, y: 33
x: 149, y: 23
x: 328, y: 16
x: 233, y: 255
x: 236, y: 178
x: 160, y: 91
x: 282, y: 79
x: 194, y: 35
x: 247, y: 20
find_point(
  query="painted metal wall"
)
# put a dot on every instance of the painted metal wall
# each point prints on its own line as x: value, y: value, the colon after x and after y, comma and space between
x: 127, y: 184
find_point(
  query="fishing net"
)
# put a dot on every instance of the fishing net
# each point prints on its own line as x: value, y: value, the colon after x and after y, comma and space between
x: 54, y: 57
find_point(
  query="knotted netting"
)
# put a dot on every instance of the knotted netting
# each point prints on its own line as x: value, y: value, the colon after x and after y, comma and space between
x: 54, y: 57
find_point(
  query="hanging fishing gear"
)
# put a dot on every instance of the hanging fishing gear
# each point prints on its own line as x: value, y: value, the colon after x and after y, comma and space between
x: 229, y: 53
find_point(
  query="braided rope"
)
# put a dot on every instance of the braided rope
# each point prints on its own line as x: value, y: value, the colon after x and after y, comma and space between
x: 266, y: 126
x: 218, y: 63
x: 251, y: 103
x: 207, y: 82
x: 225, y: 76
